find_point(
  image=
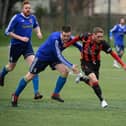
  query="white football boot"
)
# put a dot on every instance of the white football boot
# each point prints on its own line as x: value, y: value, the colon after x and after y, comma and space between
x: 104, y: 104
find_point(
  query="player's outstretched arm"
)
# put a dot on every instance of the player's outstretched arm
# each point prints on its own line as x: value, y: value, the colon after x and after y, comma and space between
x: 74, y: 40
x: 38, y: 32
x: 75, y: 69
x: 82, y: 37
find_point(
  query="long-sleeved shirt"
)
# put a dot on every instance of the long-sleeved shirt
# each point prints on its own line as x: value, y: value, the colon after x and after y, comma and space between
x: 51, y: 49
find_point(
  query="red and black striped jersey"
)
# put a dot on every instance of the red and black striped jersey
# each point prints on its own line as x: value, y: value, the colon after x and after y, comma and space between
x: 91, y: 50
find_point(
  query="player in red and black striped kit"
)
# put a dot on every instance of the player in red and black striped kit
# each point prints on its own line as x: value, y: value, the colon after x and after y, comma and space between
x: 93, y: 44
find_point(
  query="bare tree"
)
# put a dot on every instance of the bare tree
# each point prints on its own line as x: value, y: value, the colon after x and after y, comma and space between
x: 6, y: 7
x: 1, y: 7
x: 5, y: 11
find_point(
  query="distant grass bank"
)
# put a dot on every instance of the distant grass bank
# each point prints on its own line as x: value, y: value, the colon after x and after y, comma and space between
x: 4, y: 40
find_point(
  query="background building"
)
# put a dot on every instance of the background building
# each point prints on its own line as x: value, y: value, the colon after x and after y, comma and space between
x: 81, y: 14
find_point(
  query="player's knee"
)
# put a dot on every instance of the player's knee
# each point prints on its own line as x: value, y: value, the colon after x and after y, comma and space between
x: 94, y: 83
x: 10, y: 67
x: 29, y: 76
x: 64, y: 72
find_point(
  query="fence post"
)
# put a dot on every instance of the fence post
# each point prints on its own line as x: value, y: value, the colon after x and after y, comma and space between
x: 109, y: 19
x: 65, y: 12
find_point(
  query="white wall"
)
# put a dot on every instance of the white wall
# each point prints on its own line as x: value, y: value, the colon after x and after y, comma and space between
x: 117, y: 6
x: 34, y: 3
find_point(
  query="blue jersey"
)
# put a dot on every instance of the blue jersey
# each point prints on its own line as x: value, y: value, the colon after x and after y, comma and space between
x: 51, y: 49
x: 21, y: 26
x: 118, y: 32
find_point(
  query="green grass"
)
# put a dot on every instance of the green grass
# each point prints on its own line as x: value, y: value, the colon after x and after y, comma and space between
x: 81, y: 107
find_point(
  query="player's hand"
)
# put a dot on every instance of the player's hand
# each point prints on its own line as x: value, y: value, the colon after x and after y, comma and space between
x: 124, y: 66
x: 75, y: 69
x: 39, y: 35
x: 81, y: 36
x: 84, y: 36
x: 24, y: 39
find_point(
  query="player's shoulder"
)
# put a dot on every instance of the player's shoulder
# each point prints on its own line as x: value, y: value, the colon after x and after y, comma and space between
x: 19, y: 15
x: 16, y: 15
x: 33, y: 16
x: 105, y: 43
x: 116, y: 26
x: 55, y: 34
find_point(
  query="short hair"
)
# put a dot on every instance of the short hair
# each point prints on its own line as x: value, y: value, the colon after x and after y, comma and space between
x: 66, y: 28
x: 25, y: 2
x: 98, y: 30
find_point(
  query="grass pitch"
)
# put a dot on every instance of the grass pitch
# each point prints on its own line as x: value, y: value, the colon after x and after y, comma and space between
x: 81, y: 106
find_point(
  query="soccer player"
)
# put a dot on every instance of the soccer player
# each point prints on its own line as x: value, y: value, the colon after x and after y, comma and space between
x: 93, y: 44
x: 118, y: 32
x: 20, y: 30
x: 50, y: 54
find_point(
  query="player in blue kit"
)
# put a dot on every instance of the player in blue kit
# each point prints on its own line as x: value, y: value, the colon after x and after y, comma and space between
x: 118, y: 32
x: 20, y: 30
x: 50, y: 54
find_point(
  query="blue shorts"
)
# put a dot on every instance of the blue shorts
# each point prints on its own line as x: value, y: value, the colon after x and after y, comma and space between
x: 38, y: 65
x: 20, y: 49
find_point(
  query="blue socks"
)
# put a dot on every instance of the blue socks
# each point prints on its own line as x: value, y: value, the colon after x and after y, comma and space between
x: 59, y: 84
x: 4, y: 71
x: 22, y: 84
x: 35, y: 81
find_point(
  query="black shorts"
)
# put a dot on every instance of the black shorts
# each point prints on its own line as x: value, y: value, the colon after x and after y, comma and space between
x: 90, y: 67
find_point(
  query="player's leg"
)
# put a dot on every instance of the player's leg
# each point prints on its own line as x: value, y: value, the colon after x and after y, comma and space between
x: 21, y: 85
x: 14, y: 55
x: 9, y: 67
x: 35, y: 68
x: 89, y: 69
x: 120, y: 52
x: 29, y: 57
x: 35, y: 80
x: 60, y: 81
x: 94, y: 83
